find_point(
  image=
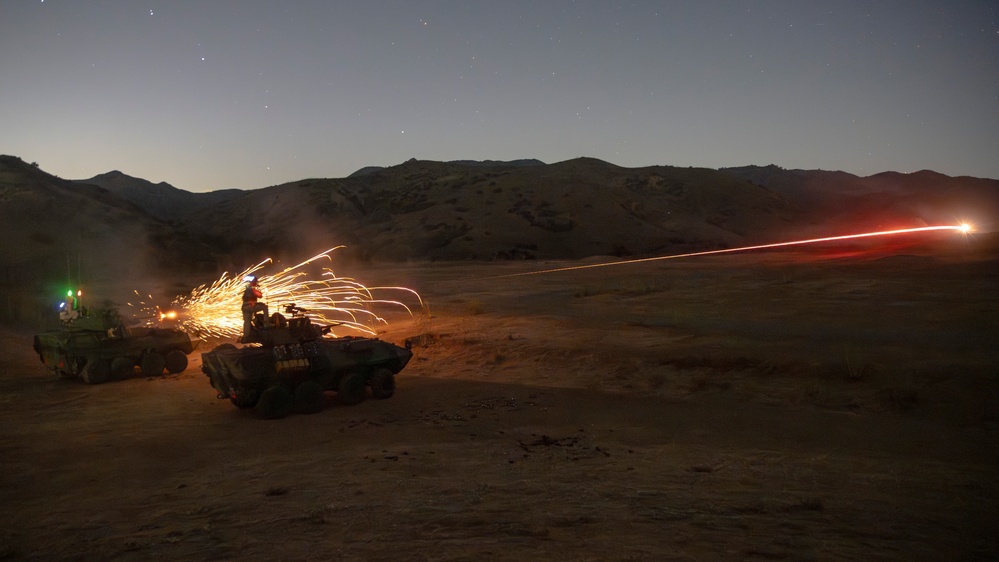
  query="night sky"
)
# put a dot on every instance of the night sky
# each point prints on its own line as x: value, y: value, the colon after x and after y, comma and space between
x: 214, y: 94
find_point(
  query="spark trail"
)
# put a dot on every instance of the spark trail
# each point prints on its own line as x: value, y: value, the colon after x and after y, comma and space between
x: 214, y: 310
x: 962, y: 228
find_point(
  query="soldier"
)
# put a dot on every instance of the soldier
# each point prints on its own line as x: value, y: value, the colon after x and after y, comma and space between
x: 251, y: 304
x: 68, y: 310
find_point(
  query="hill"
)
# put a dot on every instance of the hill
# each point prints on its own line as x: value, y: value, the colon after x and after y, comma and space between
x: 60, y: 234
x: 837, y: 199
x: 117, y: 232
x: 161, y: 200
x: 456, y: 211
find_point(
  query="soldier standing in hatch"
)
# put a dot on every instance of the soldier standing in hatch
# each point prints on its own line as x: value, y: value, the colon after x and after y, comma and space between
x: 69, y: 310
x: 251, y: 304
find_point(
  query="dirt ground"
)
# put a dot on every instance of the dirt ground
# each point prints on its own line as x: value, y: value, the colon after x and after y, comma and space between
x: 821, y: 405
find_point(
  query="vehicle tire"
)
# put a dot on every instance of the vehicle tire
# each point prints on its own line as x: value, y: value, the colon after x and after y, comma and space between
x: 351, y: 389
x: 122, y: 368
x: 96, y: 371
x: 276, y: 402
x: 309, y: 398
x: 175, y: 361
x: 153, y: 364
x: 382, y: 383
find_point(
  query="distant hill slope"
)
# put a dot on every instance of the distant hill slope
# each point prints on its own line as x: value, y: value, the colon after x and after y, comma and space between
x: 458, y: 211
x: 161, y: 200
x: 491, y: 163
x: 57, y: 234
x: 115, y: 230
x: 841, y: 200
x: 582, y: 207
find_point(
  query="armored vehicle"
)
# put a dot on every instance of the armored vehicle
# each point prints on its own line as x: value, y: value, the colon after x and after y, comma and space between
x: 286, y: 364
x: 97, y: 347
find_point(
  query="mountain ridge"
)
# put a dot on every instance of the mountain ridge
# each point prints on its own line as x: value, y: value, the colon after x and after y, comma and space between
x: 115, y: 230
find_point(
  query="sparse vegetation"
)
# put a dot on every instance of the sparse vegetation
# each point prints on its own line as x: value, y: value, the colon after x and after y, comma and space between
x: 856, y: 370
x: 901, y: 396
x: 595, y: 410
x: 475, y: 307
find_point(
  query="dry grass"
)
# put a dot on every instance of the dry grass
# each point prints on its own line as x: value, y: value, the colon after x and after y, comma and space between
x: 729, y: 417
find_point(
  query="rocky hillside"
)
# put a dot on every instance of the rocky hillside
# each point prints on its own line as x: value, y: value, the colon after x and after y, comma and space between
x: 841, y: 200
x: 456, y: 211
x: 160, y: 200
x: 57, y: 234
x: 119, y: 232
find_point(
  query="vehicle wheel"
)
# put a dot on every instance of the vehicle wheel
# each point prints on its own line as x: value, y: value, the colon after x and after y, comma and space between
x: 351, y: 389
x: 175, y: 361
x: 122, y: 368
x: 96, y: 371
x: 152, y: 364
x: 382, y: 383
x: 275, y: 402
x: 309, y: 398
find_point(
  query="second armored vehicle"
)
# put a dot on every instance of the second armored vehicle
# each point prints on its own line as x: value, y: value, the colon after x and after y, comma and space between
x: 97, y: 347
x: 289, y: 365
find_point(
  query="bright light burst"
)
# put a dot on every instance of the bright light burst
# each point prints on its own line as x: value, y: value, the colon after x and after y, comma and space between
x: 214, y: 310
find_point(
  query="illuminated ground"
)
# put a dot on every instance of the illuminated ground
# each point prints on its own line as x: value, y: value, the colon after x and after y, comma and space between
x: 784, y: 405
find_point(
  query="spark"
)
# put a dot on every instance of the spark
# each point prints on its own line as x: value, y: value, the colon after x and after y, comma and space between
x: 213, y: 310
x: 963, y: 228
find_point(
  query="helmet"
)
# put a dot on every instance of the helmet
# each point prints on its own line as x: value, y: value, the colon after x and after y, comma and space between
x: 251, y: 279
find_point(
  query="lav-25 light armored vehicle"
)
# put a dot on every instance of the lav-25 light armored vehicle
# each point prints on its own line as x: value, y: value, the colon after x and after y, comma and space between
x: 97, y: 347
x: 286, y: 364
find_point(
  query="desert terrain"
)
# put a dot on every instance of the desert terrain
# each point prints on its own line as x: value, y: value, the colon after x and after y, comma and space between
x: 829, y: 403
